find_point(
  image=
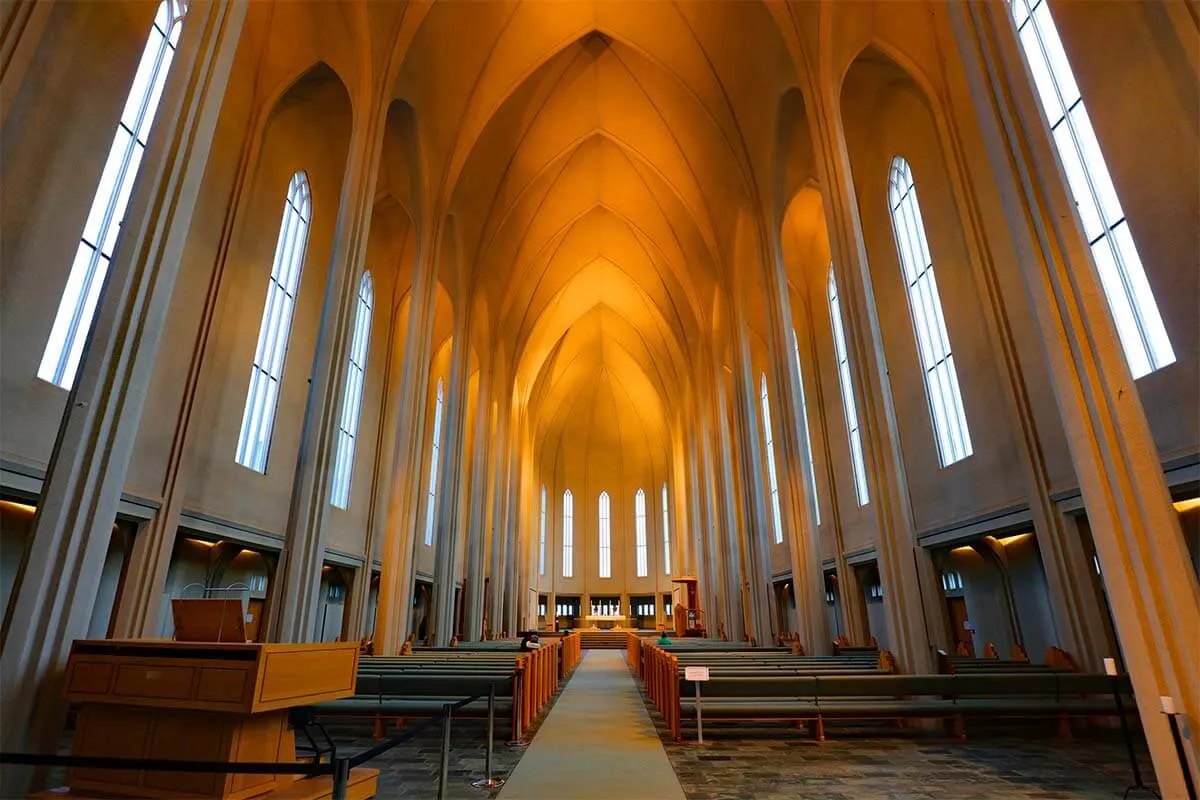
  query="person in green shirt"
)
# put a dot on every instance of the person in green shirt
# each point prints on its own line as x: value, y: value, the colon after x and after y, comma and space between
x: 664, y: 640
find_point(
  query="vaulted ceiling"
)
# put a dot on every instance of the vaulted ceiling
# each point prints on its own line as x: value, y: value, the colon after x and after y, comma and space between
x: 595, y: 158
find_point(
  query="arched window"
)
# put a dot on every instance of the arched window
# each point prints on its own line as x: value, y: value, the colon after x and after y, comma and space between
x: 1139, y: 323
x: 605, y: 536
x: 639, y: 521
x: 542, y: 535
x: 666, y: 534
x: 929, y: 324
x: 356, y: 376
x: 434, y: 453
x: 76, y: 310
x: 772, y: 477
x: 568, y: 533
x: 266, y: 373
x: 812, y: 469
x: 847, y: 385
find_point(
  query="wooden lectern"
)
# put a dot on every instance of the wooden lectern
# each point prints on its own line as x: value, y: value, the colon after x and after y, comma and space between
x: 689, y: 619
x: 201, y: 701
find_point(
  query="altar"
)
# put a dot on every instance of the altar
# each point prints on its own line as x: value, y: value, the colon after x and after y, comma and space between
x: 606, y: 622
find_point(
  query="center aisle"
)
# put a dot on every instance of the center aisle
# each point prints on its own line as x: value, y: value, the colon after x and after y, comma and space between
x: 598, y: 742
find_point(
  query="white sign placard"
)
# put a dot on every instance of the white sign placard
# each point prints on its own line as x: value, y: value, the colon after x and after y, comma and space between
x: 1110, y: 666
x: 695, y: 673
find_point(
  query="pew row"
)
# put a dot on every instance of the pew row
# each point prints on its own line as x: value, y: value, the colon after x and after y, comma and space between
x: 818, y: 698
x: 418, y: 684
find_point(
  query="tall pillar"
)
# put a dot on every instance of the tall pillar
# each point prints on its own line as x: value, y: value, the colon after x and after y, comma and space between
x: 399, y: 560
x: 1077, y: 607
x: 731, y: 557
x: 476, y: 530
x: 52, y: 604
x: 304, y: 547
x: 904, y: 567
x: 804, y: 546
x: 450, y: 488
x: 381, y: 485
x: 755, y: 512
x: 1155, y: 597
x: 849, y: 596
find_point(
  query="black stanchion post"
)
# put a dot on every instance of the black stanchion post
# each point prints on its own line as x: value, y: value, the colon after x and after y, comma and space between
x: 448, y: 711
x: 488, y: 782
x: 341, y: 777
x: 1110, y: 667
x: 1168, y: 707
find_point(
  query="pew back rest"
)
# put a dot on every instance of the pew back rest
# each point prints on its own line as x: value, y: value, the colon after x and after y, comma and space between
x: 462, y: 686
x: 1006, y: 684
x: 881, y: 685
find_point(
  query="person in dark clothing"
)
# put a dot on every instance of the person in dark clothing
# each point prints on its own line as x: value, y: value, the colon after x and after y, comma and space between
x: 530, y: 642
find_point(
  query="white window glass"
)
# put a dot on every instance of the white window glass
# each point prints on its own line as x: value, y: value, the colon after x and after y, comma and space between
x: 640, y: 545
x: 542, y: 535
x: 356, y: 375
x: 568, y: 534
x: 1139, y: 323
x: 812, y: 469
x: 666, y: 534
x: 266, y: 372
x: 435, y: 452
x: 848, y: 406
x: 772, y: 477
x: 76, y: 310
x: 605, y: 536
x: 929, y: 324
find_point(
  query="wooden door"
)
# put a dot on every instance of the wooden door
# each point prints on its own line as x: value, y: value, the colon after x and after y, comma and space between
x: 957, y: 606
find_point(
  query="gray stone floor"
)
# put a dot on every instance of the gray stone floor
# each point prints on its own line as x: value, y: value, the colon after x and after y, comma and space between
x: 411, y: 770
x: 774, y: 764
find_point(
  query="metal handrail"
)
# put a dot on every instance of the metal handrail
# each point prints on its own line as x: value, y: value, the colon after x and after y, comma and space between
x: 338, y: 766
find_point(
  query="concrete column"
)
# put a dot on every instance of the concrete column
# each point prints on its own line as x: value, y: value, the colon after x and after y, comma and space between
x: 382, y: 481
x: 1077, y: 608
x: 731, y: 556
x: 914, y: 636
x: 756, y: 514
x: 396, y: 580
x: 304, y: 548
x: 52, y: 604
x: 851, y: 601
x: 795, y: 478
x: 476, y: 530
x: 1155, y: 597
x: 22, y: 25
x: 449, y: 488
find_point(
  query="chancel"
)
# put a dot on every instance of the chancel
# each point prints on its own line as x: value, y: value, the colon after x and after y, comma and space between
x: 789, y: 371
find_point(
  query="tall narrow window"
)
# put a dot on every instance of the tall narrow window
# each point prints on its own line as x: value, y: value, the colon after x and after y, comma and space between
x: 76, y: 310
x: 434, y: 454
x: 356, y: 376
x: 772, y: 477
x: 542, y: 535
x: 266, y: 373
x: 812, y: 469
x: 568, y: 534
x: 848, y: 405
x: 1139, y: 324
x: 666, y: 534
x: 929, y: 325
x: 605, y: 536
x: 639, y: 520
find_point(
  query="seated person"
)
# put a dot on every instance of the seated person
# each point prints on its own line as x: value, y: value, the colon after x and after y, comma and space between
x: 664, y: 639
x: 530, y: 642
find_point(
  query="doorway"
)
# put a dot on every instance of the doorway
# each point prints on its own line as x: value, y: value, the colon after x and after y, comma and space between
x: 960, y: 626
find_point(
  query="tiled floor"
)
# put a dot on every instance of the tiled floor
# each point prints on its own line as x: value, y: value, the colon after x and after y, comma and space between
x: 776, y: 764
x: 410, y: 770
